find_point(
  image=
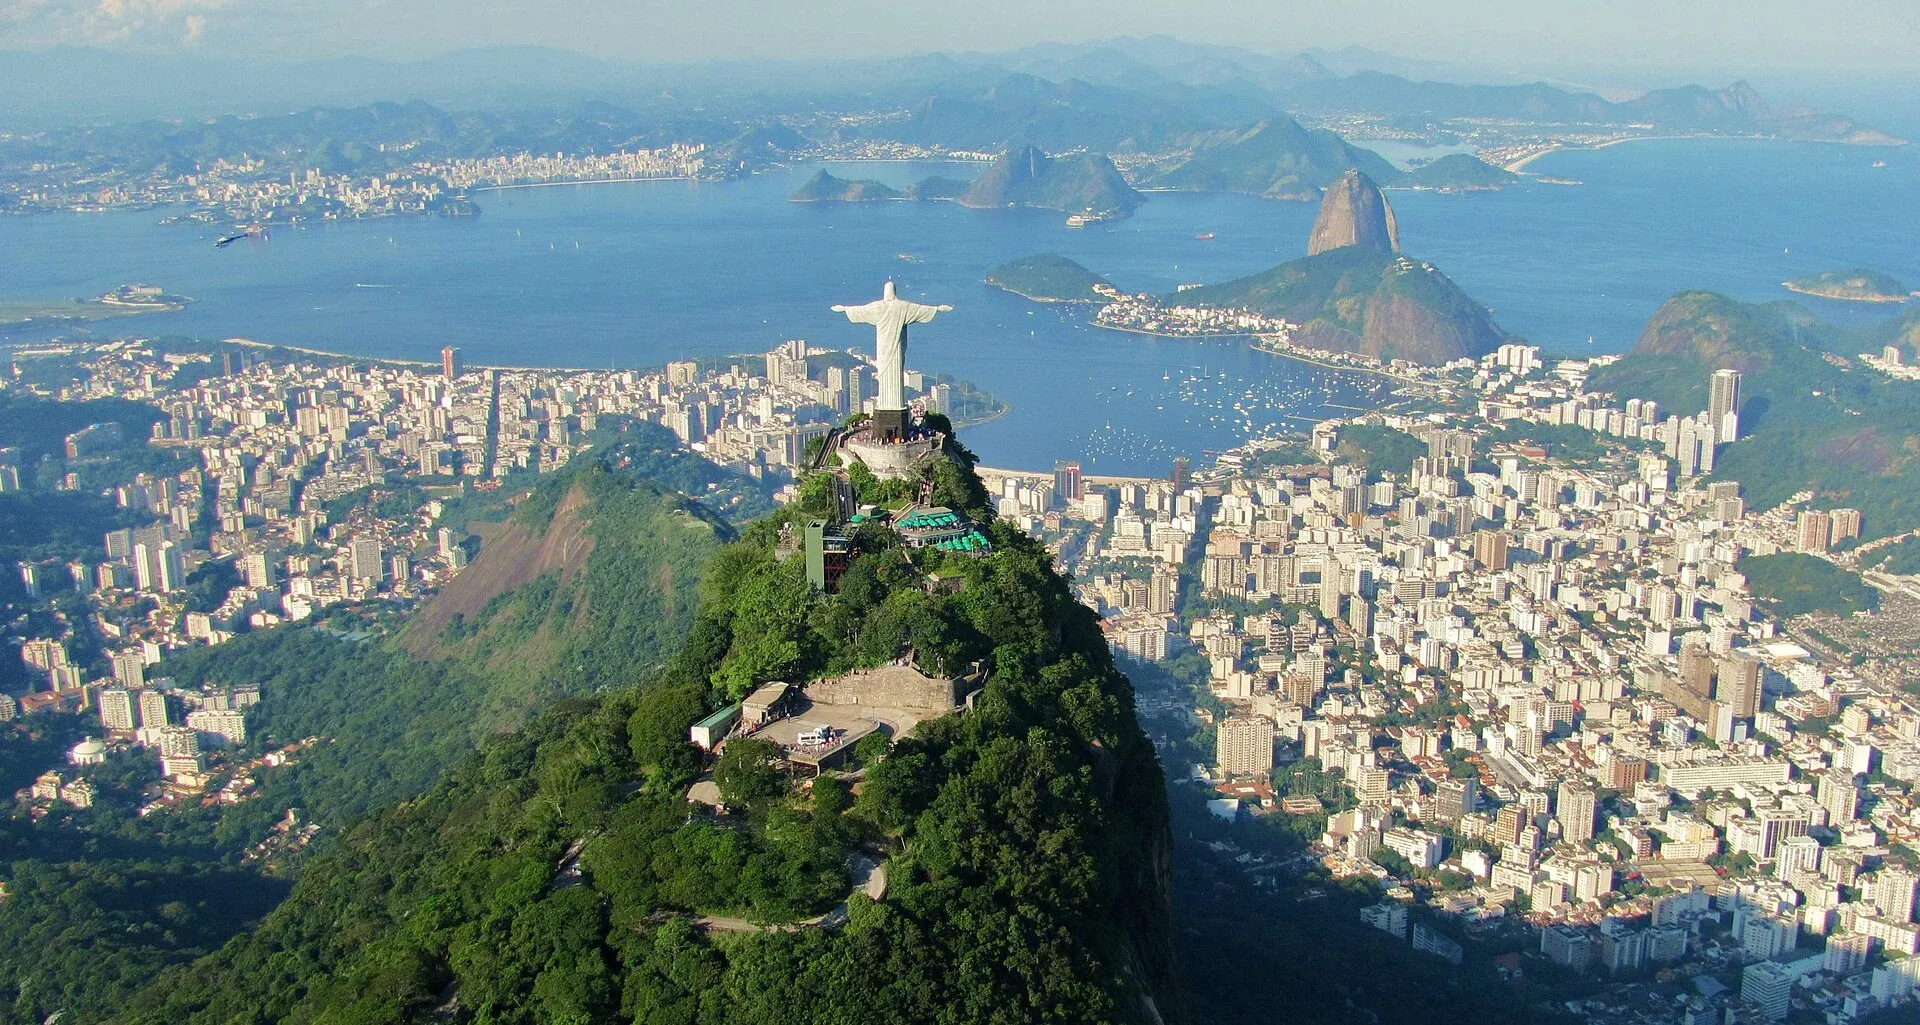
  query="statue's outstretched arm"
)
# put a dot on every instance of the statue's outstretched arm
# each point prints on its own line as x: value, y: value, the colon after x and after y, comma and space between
x: 858, y: 314
x: 920, y: 314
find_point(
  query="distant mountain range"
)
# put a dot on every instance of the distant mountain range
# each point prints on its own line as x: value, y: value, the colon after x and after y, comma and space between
x: 383, y: 137
x: 1139, y: 93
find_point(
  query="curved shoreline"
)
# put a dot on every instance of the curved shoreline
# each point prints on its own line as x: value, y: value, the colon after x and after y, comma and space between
x: 1257, y: 347
x: 1325, y: 365
x: 1517, y: 165
x: 1005, y: 408
x: 1163, y: 334
x: 582, y: 181
x: 1036, y: 298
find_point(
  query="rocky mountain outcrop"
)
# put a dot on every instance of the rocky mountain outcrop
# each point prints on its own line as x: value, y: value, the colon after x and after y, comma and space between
x: 1362, y: 299
x: 1074, y: 183
x: 825, y: 187
x: 1354, y: 292
x: 1354, y: 213
x: 1712, y: 331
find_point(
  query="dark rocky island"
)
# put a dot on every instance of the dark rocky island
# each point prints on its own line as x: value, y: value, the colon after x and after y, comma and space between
x: 1863, y: 286
x: 825, y: 187
x: 1356, y: 294
x: 938, y: 187
x: 1049, y: 278
x: 1077, y: 183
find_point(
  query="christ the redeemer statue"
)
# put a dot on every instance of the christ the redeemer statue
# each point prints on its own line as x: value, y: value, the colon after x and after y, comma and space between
x: 890, y: 317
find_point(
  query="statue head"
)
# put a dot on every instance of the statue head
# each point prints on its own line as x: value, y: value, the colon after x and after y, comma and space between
x: 887, y: 291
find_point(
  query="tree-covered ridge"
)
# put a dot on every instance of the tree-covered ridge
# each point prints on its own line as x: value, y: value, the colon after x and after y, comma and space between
x: 1810, y: 418
x: 1794, y: 584
x: 102, y: 900
x: 558, y: 875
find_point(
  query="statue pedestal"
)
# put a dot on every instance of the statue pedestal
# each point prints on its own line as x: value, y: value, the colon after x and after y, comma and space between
x: 889, y: 425
x: 901, y: 458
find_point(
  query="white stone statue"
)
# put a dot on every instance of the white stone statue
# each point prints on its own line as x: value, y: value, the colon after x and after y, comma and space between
x: 890, y: 317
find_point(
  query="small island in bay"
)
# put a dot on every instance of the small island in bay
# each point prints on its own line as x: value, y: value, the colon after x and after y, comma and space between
x: 1458, y: 172
x: 125, y: 301
x: 139, y: 298
x: 825, y: 187
x: 938, y: 187
x: 1051, y: 278
x: 1863, y: 286
x: 1086, y: 185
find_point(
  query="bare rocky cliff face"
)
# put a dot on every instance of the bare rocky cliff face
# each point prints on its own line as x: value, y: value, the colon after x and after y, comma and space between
x: 1354, y: 213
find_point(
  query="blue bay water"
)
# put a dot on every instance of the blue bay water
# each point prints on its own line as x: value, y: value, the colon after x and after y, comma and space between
x: 636, y: 274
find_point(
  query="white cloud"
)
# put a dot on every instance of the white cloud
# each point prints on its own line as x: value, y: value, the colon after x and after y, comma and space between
x: 132, y: 22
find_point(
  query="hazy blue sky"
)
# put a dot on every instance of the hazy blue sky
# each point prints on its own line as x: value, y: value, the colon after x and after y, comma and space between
x: 1837, y: 35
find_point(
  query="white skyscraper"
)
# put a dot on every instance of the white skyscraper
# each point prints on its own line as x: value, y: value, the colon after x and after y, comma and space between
x: 1723, y: 404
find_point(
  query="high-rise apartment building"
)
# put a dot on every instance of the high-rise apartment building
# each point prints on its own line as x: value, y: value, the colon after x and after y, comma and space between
x: 1846, y: 524
x: 1892, y: 893
x: 154, y: 712
x: 1816, y: 531
x: 1490, y: 549
x: 1723, y: 404
x: 1243, y: 746
x: 1067, y: 482
x: 1574, y: 811
x: 366, y: 558
x: 130, y: 668
x: 117, y: 710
